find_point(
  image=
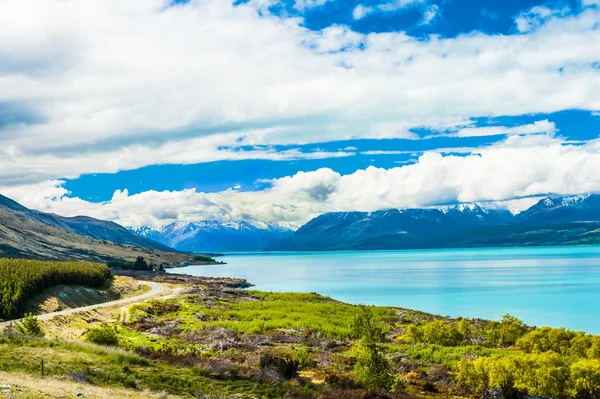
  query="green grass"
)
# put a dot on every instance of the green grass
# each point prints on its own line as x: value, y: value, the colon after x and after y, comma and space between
x: 113, y: 367
x: 311, y: 312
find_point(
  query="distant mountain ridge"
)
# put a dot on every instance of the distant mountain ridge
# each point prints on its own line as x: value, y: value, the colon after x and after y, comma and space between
x: 214, y: 236
x: 85, y: 226
x: 552, y: 221
x: 29, y: 233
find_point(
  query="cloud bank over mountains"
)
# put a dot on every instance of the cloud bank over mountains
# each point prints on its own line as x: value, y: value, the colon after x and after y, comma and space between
x: 104, y: 86
x: 537, y: 165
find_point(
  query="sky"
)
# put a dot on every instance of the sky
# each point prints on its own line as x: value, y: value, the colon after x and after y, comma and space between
x: 148, y: 112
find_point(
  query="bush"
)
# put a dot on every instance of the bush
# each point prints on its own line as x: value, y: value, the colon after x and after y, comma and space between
x: 584, y: 381
x: 429, y: 387
x: 438, y: 333
x: 398, y: 384
x: 139, y: 264
x: 287, y: 368
x: 30, y: 325
x: 544, y: 374
x: 103, y: 335
x: 561, y: 341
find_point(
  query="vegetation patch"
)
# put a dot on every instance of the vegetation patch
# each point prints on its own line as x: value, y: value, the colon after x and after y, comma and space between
x: 21, y: 279
x: 218, y: 339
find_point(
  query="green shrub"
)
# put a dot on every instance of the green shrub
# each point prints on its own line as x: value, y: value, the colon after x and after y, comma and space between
x: 103, y: 335
x: 436, y: 332
x: 584, y: 381
x: 399, y: 384
x: 30, y: 325
x: 372, y: 369
x: 543, y: 374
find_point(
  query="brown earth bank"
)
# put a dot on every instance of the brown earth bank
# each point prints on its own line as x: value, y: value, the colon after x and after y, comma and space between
x: 185, y: 279
x: 63, y: 297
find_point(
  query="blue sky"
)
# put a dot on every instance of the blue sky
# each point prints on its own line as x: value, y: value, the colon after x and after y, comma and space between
x: 278, y: 110
x: 252, y: 175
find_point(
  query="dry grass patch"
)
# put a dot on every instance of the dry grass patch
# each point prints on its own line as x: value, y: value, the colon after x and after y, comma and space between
x: 27, y: 386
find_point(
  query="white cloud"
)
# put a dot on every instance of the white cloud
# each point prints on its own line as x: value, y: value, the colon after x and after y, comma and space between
x: 536, y: 16
x: 432, y: 12
x: 537, y: 127
x: 16, y: 166
x: 519, y: 167
x: 110, y: 85
x: 590, y: 3
x: 303, y: 4
x: 361, y: 11
x: 398, y: 4
x: 392, y: 130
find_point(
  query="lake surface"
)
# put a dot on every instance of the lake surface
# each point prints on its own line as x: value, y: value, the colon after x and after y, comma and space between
x: 555, y: 286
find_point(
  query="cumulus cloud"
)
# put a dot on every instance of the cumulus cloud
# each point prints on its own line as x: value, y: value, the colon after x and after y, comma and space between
x: 361, y: 11
x: 519, y: 167
x: 106, y: 78
x: 103, y: 86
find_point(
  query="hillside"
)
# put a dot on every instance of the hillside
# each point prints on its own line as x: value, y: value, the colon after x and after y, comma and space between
x: 552, y: 221
x: 82, y: 225
x: 214, y: 236
x: 32, y: 234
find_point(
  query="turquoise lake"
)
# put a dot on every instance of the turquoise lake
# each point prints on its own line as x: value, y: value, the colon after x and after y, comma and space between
x: 554, y: 286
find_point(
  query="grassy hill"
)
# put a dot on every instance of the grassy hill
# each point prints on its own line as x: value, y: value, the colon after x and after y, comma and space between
x: 82, y: 225
x: 25, y: 233
x: 21, y: 237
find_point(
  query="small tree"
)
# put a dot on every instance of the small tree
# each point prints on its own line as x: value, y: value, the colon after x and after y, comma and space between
x: 464, y: 328
x: 30, y: 325
x: 511, y: 329
x: 371, y: 368
x: 140, y: 264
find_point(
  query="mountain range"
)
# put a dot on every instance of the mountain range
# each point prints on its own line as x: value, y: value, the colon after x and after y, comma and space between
x: 29, y: 233
x: 214, y: 236
x: 552, y: 221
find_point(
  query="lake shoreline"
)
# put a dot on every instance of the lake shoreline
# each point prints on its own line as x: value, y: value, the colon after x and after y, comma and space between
x: 553, y: 286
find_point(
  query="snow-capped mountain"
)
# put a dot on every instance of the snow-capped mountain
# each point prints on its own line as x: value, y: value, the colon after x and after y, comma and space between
x: 553, y: 220
x: 582, y: 208
x: 213, y: 236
